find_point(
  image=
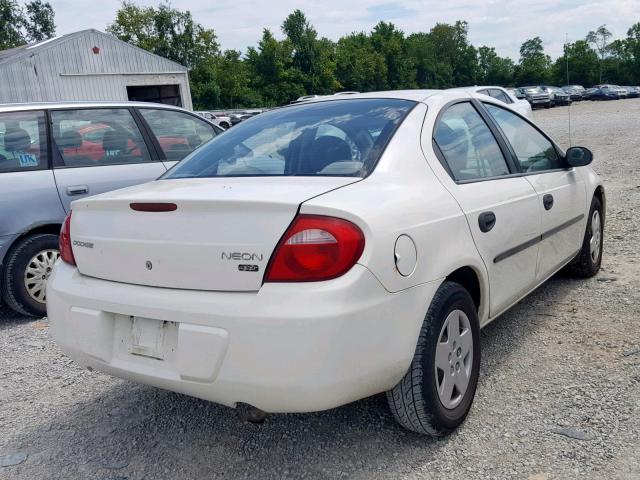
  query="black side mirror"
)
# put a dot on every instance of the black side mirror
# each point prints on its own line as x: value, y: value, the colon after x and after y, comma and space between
x: 578, y: 156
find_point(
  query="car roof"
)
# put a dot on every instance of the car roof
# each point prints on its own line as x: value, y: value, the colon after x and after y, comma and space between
x: 417, y: 95
x: 476, y: 88
x: 13, y: 107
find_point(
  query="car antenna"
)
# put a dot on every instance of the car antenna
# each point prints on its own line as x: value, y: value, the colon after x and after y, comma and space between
x: 566, y: 57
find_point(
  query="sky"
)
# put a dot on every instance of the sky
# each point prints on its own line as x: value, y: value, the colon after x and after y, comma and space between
x: 503, y: 24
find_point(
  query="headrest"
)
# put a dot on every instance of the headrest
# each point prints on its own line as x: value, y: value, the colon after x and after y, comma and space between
x: 16, y: 140
x: 114, y: 143
x: 69, y: 139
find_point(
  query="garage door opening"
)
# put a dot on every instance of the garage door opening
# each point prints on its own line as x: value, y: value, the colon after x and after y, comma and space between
x: 167, y: 94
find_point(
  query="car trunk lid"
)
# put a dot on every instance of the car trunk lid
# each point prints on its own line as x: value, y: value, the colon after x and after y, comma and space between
x: 219, y: 236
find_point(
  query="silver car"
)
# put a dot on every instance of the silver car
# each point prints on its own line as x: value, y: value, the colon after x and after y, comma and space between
x: 54, y: 153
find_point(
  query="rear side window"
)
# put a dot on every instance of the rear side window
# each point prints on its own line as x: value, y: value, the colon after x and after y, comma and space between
x: 178, y: 133
x: 23, y: 144
x: 534, y: 152
x: 332, y: 138
x: 470, y: 150
x: 500, y: 95
x: 103, y: 136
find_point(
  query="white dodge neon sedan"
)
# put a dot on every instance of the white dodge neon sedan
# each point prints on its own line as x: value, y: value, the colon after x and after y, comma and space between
x: 324, y: 252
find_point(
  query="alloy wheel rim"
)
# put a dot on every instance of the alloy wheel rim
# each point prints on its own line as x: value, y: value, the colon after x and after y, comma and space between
x: 454, y: 359
x: 37, y: 273
x: 596, y: 236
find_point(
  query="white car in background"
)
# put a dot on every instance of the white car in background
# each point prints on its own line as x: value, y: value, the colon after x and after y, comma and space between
x: 522, y: 106
x: 328, y: 251
x: 223, y: 121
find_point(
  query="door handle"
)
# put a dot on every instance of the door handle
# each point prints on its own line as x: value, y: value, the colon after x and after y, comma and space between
x: 547, y: 201
x: 77, y: 190
x: 486, y: 221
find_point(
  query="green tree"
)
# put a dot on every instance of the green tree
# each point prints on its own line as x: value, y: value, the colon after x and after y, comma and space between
x: 40, y: 21
x: 535, y: 66
x: 456, y: 56
x: 313, y: 58
x: 359, y: 66
x: 583, y: 65
x: 165, y: 31
x: 18, y: 25
x: 493, y: 69
x: 234, y: 80
x: 388, y: 41
x: 270, y: 66
x: 429, y: 72
x: 599, y: 39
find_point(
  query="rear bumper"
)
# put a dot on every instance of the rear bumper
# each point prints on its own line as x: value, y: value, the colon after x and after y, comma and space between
x: 285, y: 348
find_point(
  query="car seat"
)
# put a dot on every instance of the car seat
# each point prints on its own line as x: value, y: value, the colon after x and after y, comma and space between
x: 17, y: 143
x: 69, y: 142
x: 115, y: 146
x: 324, y: 151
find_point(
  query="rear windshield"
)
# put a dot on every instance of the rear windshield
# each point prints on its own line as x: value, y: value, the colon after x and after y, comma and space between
x: 333, y: 138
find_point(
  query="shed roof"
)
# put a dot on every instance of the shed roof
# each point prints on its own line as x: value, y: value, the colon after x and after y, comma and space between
x: 16, y: 54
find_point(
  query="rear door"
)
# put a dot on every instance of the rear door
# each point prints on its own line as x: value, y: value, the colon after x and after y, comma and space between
x: 28, y: 195
x: 177, y: 133
x: 97, y: 150
x: 501, y: 208
x: 561, y: 191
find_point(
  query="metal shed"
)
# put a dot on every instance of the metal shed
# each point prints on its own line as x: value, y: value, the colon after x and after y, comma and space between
x: 90, y: 65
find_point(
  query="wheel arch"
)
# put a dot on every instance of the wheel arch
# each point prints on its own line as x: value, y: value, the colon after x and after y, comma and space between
x: 52, y: 228
x: 472, y: 279
x: 600, y: 195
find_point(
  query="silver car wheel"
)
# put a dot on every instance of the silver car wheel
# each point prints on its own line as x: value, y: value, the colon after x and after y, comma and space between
x: 454, y: 359
x: 37, y: 273
x: 596, y: 236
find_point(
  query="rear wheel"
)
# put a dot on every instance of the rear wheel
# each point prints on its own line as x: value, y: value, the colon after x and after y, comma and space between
x: 29, y: 264
x: 436, y: 393
x: 588, y: 261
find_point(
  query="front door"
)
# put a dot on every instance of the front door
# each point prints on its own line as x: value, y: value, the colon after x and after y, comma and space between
x: 561, y: 191
x: 98, y: 150
x: 501, y: 209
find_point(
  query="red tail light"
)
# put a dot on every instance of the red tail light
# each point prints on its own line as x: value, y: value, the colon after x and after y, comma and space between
x: 66, y: 253
x: 315, y: 248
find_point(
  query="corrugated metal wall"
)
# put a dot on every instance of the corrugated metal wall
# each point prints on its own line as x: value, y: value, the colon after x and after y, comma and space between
x: 67, y: 69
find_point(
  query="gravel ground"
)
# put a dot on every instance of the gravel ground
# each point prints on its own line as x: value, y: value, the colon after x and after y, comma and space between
x: 558, y: 396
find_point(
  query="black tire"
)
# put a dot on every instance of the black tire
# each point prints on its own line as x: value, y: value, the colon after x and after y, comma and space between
x: 15, y: 292
x: 414, y: 401
x: 584, y: 266
x: 224, y: 125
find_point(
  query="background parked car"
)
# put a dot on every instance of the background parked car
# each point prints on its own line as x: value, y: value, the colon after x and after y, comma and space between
x: 621, y: 92
x: 517, y: 93
x: 536, y: 97
x: 632, y: 92
x: 574, y: 91
x: 223, y: 121
x: 521, y: 106
x: 557, y: 95
x: 95, y: 147
x: 601, y: 94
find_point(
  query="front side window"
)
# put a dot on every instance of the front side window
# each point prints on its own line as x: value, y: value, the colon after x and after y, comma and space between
x: 333, y: 138
x: 534, y: 151
x: 23, y: 144
x: 178, y: 133
x: 103, y: 136
x: 469, y: 148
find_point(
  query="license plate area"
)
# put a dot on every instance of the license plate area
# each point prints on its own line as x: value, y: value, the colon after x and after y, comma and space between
x: 151, y: 338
